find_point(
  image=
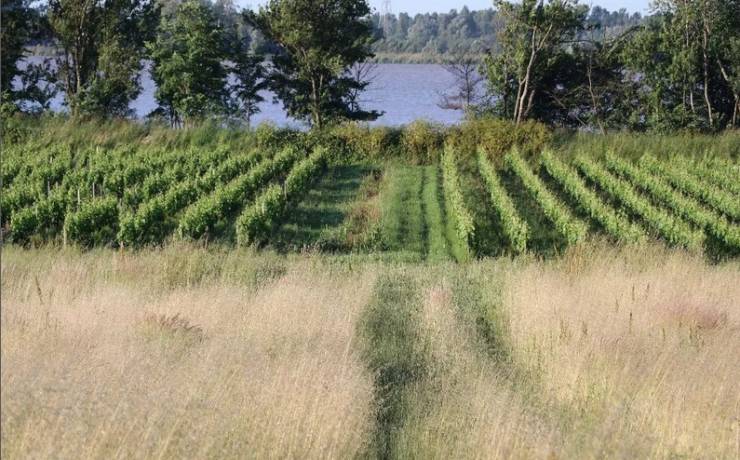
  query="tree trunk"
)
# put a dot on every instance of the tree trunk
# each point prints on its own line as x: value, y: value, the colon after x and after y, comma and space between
x: 316, y: 115
x: 705, y: 45
x: 527, y: 76
x: 735, y: 94
x: 594, y: 102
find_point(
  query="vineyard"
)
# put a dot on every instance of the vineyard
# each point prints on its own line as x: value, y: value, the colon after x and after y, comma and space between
x: 290, y: 198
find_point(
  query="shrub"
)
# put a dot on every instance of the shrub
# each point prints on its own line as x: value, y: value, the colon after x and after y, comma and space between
x: 421, y: 141
x: 360, y: 141
x: 497, y: 137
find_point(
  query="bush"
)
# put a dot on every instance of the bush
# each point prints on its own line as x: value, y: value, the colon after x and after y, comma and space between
x: 421, y: 142
x: 360, y: 141
x: 497, y: 137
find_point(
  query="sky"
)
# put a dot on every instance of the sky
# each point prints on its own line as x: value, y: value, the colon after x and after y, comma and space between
x: 442, y: 6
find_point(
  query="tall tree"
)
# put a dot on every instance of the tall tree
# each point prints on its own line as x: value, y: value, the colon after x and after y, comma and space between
x: 532, y: 38
x: 188, y: 64
x: 30, y: 86
x: 16, y: 29
x: 102, y: 44
x: 687, y: 57
x: 318, y: 43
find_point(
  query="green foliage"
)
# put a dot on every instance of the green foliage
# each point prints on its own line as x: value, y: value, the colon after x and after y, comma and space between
x: 318, y: 42
x: 103, y: 47
x: 363, y: 142
x: 497, y: 137
x: 682, y: 205
x: 458, y: 215
x: 17, y: 23
x: 430, y: 37
x: 686, y: 60
x: 615, y: 224
x: 674, y: 230
x: 718, y: 199
x: 95, y: 223
x: 421, y: 141
x: 258, y: 221
x: 514, y: 227
x: 571, y: 229
x: 187, y: 56
x: 532, y: 40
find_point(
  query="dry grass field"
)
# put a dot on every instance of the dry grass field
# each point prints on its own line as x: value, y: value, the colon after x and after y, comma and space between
x: 209, y: 353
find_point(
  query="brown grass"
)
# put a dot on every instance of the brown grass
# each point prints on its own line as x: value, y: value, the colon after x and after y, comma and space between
x: 639, y: 351
x: 188, y: 352
x: 95, y: 365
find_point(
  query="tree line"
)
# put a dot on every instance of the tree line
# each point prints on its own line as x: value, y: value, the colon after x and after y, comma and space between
x: 553, y: 61
x: 203, y: 57
x: 435, y: 34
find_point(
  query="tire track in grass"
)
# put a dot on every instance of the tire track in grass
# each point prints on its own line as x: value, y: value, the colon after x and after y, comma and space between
x: 437, y: 246
x: 393, y: 352
x: 403, y: 219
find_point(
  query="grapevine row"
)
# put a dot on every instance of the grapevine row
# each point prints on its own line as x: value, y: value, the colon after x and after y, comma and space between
x: 714, y: 197
x: 571, y: 229
x: 257, y: 221
x: 206, y: 214
x: 617, y: 225
x: 156, y: 218
x: 681, y: 204
x: 514, y: 227
x: 46, y: 213
x: 726, y: 179
x: 672, y: 229
x: 456, y: 210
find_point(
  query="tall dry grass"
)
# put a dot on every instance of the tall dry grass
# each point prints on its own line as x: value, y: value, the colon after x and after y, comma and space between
x: 608, y: 353
x: 466, y: 406
x: 186, y: 352
x: 98, y: 363
x: 637, y: 353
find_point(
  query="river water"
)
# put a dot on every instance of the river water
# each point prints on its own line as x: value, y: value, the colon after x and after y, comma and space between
x: 404, y: 92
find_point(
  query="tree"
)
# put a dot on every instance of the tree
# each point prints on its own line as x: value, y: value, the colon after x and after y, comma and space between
x: 16, y: 29
x: 102, y: 45
x: 363, y: 73
x: 463, y: 65
x: 318, y: 42
x: 686, y: 57
x: 532, y: 38
x: 187, y: 64
x: 250, y: 78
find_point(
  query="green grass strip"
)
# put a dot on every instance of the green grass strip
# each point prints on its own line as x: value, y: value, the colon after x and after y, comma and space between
x: 436, y: 242
x: 392, y: 348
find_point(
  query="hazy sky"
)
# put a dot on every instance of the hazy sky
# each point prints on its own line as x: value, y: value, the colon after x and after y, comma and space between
x: 442, y: 6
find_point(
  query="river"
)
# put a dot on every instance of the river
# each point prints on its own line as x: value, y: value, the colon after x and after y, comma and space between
x: 404, y: 92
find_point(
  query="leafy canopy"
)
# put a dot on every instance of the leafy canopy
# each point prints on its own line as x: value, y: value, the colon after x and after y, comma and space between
x: 318, y: 42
